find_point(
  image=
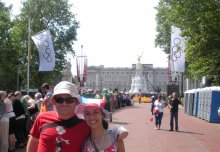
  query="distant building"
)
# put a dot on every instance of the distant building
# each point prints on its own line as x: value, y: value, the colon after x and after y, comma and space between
x: 67, y: 75
x: 100, y: 77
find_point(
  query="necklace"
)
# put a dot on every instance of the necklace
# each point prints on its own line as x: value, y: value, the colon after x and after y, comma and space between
x: 100, y: 145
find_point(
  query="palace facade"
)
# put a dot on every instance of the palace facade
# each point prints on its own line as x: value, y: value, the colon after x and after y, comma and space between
x: 100, y: 77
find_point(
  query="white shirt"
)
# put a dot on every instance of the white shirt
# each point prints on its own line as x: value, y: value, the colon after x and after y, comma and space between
x: 159, y: 104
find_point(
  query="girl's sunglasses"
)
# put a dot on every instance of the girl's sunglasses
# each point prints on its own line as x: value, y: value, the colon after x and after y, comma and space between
x: 68, y: 100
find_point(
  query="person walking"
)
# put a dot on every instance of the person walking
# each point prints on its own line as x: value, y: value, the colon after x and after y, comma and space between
x: 153, y: 97
x: 139, y: 98
x: 59, y: 130
x: 174, y: 106
x: 159, y: 104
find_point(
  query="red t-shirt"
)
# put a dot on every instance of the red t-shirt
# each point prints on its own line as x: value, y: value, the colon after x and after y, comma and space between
x: 70, y: 138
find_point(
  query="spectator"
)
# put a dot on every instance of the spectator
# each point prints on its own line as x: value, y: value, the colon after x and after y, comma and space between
x: 46, y: 105
x: 20, y: 120
x: 38, y: 99
x: 12, y: 122
x: 107, y: 96
x: 24, y: 101
x: 4, y: 123
x: 33, y: 111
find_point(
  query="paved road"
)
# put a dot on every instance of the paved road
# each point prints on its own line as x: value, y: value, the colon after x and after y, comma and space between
x: 195, y: 135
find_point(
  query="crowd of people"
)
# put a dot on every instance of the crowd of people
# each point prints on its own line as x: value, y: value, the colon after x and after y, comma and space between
x: 17, y: 115
x: 47, y: 121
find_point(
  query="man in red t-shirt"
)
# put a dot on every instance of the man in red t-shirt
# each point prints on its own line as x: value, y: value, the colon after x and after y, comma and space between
x: 59, y: 130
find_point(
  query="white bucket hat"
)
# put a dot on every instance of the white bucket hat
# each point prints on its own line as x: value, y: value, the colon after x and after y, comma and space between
x: 65, y: 87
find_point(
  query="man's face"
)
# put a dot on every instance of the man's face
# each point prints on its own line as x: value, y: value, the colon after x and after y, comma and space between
x: 174, y: 95
x: 43, y: 90
x: 65, y: 105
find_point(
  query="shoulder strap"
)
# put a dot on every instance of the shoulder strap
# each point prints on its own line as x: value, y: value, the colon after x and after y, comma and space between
x: 112, y: 134
x: 65, y: 123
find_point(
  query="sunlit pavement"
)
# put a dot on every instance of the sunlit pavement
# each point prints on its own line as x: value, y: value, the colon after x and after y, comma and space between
x: 195, y: 135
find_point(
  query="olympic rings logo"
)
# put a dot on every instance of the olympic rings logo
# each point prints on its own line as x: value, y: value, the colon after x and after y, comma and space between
x: 47, y: 51
x: 176, y: 49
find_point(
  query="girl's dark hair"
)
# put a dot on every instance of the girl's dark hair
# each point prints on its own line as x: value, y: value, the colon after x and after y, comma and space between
x: 104, y: 122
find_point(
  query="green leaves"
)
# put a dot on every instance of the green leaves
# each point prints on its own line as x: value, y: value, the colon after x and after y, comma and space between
x: 200, y: 23
x: 54, y: 15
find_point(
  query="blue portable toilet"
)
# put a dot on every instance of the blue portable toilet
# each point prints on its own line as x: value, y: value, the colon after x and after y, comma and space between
x: 196, y: 102
x: 213, y: 105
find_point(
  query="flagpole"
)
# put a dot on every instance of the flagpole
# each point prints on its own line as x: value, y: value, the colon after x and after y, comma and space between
x: 28, y: 57
x: 182, y: 84
x: 81, y: 66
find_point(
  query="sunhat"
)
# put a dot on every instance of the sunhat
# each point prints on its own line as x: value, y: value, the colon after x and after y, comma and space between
x: 89, y: 102
x: 65, y: 87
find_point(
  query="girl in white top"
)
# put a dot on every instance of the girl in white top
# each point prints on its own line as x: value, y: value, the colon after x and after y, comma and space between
x: 159, y: 104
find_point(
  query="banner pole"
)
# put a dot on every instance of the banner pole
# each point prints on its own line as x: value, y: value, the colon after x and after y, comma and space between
x: 28, y: 58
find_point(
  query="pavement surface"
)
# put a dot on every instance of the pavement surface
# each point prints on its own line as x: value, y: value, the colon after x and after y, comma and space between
x: 195, y: 135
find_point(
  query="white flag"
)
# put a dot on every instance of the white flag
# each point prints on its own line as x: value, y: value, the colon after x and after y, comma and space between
x: 45, y: 48
x: 177, y: 56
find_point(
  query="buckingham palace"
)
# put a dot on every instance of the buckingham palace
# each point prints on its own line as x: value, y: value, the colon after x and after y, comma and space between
x: 99, y: 77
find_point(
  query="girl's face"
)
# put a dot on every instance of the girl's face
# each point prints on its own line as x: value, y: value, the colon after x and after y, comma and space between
x: 93, y: 117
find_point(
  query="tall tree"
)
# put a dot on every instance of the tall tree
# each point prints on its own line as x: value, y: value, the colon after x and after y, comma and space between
x: 8, y: 68
x: 56, y: 16
x: 200, y: 23
x: 163, y: 27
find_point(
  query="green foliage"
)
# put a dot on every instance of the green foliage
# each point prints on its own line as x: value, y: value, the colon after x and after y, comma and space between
x: 54, y: 15
x: 8, y: 68
x: 163, y: 27
x: 199, y: 22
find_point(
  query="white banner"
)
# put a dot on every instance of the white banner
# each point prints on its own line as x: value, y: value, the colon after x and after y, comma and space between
x: 177, y: 56
x: 44, y: 44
